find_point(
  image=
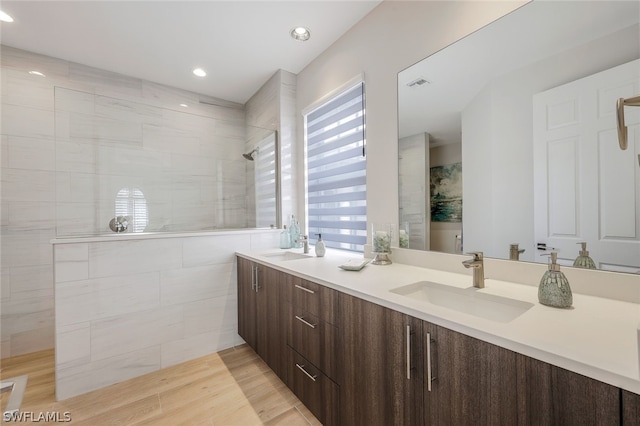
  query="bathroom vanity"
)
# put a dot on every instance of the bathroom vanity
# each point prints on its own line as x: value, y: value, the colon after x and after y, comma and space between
x: 382, y: 346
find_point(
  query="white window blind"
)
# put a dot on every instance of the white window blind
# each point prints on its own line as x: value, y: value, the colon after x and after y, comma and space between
x: 336, y: 171
x: 130, y: 202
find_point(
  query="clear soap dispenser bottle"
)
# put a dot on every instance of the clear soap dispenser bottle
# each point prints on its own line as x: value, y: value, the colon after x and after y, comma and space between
x: 319, y: 248
x: 583, y: 260
x: 285, y: 238
x: 554, y: 287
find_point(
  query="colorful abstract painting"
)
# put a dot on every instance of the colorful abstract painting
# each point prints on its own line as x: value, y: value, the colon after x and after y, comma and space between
x: 446, y: 193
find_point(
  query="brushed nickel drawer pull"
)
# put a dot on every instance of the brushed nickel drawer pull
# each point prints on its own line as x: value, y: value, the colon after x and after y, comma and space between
x: 430, y: 377
x: 305, y: 289
x: 305, y: 322
x: 408, y: 352
x: 301, y: 367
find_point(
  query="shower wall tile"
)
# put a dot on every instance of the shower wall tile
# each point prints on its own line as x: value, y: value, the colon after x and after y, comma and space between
x: 21, y: 88
x: 33, y: 340
x: 82, y: 378
x: 31, y: 282
x: 210, y: 315
x: 135, y: 331
x: 183, y: 307
x: 96, y: 299
x: 199, y: 251
x: 5, y: 283
x: 30, y: 215
x: 76, y: 219
x: 28, y: 185
x: 73, y: 344
x: 23, y: 61
x: 31, y: 153
x: 27, y: 248
x: 75, y: 156
x: 22, y: 315
x: 105, y: 82
x: 192, y: 284
x: 23, y: 121
x: 71, y: 271
x: 72, y: 252
x: 134, y: 256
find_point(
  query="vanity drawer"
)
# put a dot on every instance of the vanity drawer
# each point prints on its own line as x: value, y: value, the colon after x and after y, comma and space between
x: 316, y: 391
x: 313, y: 298
x: 314, y: 339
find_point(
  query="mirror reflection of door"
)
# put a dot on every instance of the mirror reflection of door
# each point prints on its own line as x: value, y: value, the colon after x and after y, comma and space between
x: 586, y: 187
x: 413, y: 178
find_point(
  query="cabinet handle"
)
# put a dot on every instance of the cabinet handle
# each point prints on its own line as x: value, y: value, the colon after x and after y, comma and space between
x: 305, y: 322
x: 305, y: 289
x: 253, y: 277
x: 408, y: 352
x: 301, y: 367
x: 430, y: 377
x: 256, y: 285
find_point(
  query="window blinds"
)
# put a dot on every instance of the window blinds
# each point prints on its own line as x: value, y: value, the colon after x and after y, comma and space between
x: 336, y: 171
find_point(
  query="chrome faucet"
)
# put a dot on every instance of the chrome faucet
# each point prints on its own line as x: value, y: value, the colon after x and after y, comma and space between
x: 477, y: 263
x: 305, y: 243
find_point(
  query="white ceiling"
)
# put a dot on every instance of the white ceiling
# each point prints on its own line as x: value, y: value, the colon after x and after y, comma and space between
x: 535, y: 31
x: 239, y: 43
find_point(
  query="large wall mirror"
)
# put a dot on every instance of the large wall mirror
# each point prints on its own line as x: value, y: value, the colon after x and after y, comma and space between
x: 509, y: 136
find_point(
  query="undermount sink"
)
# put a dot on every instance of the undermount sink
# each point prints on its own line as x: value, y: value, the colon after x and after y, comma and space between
x: 286, y: 255
x: 470, y: 300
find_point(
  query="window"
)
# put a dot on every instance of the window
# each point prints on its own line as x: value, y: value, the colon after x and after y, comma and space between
x: 336, y: 171
x: 130, y: 202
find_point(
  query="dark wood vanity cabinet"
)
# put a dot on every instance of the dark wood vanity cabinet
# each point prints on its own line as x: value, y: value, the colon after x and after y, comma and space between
x: 549, y: 395
x: 380, y: 373
x: 312, y: 333
x: 630, y: 409
x: 353, y: 362
x: 262, y: 313
x: 471, y: 381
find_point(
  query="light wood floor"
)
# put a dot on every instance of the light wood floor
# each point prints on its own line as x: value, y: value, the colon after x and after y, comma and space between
x: 232, y: 387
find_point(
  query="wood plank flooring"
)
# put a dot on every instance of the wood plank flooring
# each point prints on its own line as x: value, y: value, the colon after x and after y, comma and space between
x: 228, y: 388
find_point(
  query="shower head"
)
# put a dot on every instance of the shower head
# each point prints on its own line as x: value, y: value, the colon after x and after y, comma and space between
x: 251, y: 155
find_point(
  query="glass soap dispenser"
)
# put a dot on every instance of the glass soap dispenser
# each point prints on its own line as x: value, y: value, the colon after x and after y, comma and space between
x: 583, y: 260
x: 554, y: 287
x: 285, y: 238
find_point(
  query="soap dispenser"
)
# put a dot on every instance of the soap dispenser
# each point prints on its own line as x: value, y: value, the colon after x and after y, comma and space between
x: 554, y: 287
x: 285, y: 238
x: 583, y: 260
x: 319, y: 247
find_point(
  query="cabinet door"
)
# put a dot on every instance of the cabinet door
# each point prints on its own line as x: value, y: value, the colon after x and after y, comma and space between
x: 473, y: 382
x: 630, y: 409
x: 247, y: 302
x: 549, y: 395
x: 377, y: 385
x: 271, y: 310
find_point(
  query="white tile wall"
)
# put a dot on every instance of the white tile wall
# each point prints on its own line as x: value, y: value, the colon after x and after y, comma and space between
x: 57, y: 134
x: 147, y: 304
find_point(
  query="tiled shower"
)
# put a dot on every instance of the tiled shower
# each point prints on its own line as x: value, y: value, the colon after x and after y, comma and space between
x: 76, y: 139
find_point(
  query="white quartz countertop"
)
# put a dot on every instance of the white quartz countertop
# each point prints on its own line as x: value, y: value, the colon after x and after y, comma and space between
x: 597, y: 337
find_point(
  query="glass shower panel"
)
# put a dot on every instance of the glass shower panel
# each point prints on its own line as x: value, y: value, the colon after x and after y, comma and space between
x: 155, y: 168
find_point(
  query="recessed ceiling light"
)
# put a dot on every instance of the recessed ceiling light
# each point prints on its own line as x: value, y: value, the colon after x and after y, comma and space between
x: 5, y: 17
x: 199, y: 72
x: 184, y: 105
x: 38, y: 73
x: 300, y: 33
